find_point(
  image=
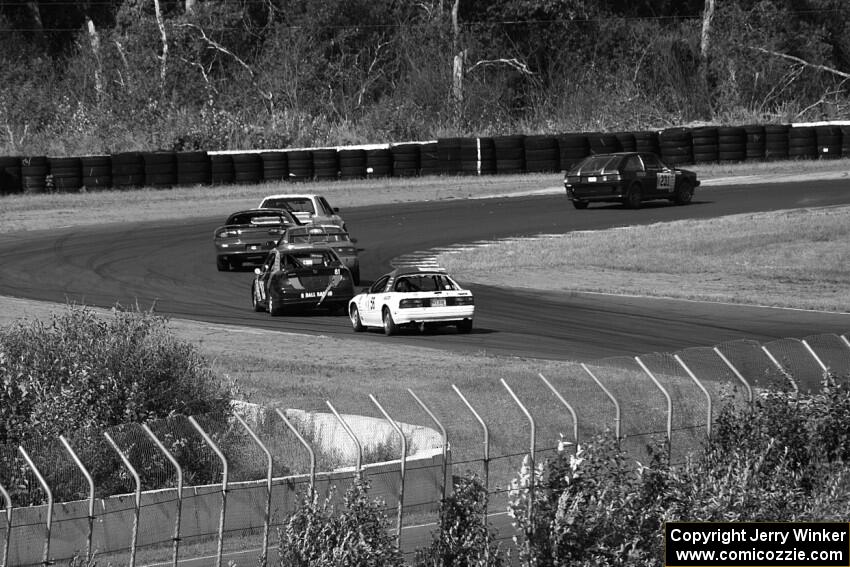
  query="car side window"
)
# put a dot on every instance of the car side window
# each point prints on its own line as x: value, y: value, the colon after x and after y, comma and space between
x: 651, y: 162
x: 326, y: 206
x: 379, y: 285
x: 632, y: 164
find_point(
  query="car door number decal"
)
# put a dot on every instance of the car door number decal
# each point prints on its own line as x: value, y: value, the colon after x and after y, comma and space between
x: 372, y: 303
x: 665, y: 181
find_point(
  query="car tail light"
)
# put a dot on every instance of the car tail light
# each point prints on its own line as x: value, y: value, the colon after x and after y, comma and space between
x: 464, y: 300
x: 611, y: 177
x: 410, y: 303
x: 573, y: 179
x: 228, y: 233
x: 348, y: 251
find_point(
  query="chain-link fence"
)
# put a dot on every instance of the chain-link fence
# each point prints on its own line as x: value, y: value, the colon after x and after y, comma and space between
x: 209, y: 485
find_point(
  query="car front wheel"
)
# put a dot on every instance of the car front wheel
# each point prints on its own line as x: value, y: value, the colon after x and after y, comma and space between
x: 255, y: 301
x: 356, y: 323
x: 580, y: 204
x: 464, y: 326
x: 633, y: 197
x: 684, y: 194
x: 390, y: 328
x: 275, y: 308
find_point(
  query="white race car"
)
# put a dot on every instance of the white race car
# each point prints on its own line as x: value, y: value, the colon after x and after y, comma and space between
x: 413, y: 297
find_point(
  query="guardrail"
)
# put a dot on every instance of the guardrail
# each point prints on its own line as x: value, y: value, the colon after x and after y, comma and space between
x: 191, y: 486
x: 444, y: 156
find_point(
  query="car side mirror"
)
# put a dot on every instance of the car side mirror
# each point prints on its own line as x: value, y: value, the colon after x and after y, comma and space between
x: 354, y: 241
x: 258, y: 271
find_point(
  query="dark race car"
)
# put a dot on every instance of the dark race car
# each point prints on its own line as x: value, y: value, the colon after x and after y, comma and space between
x: 247, y: 236
x: 629, y: 178
x: 305, y: 277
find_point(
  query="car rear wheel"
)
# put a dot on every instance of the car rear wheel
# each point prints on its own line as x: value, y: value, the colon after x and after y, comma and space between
x: 222, y: 264
x: 255, y: 301
x: 633, y: 197
x: 275, y: 308
x: 464, y: 326
x: 684, y: 193
x: 390, y: 328
x: 355, y: 276
x: 580, y: 204
x: 356, y: 323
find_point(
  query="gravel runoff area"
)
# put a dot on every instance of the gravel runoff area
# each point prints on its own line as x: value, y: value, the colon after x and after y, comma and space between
x: 18, y: 213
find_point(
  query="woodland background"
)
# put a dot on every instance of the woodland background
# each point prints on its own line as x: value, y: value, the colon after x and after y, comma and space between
x: 104, y: 76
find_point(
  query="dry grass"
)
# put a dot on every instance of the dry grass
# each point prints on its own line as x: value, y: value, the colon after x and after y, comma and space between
x: 798, y: 258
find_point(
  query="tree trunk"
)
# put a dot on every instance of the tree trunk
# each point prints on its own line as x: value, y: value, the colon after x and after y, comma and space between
x: 94, y: 41
x: 164, y: 57
x: 705, y: 37
x: 189, y: 6
x: 35, y: 21
x: 457, y: 66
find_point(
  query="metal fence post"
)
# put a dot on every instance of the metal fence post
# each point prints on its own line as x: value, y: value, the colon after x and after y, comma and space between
x: 566, y: 405
x: 486, y: 465
x: 617, y: 414
x: 669, y: 404
x: 816, y: 357
x: 179, y: 472
x: 306, y: 446
x: 138, y: 501
x: 269, y: 473
x: 445, y: 437
x: 531, y: 455
x: 359, y: 463
x: 8, y: 538
x: 90, y: 481
x: 737, y: 374
x: 49, y: 521
x: 403, y: 461
x: 781, y: 369
x: 221, y: 456
x: 699, y: 384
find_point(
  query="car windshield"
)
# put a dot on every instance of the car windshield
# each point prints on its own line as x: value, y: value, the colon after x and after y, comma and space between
x: 308, y: 259
x: 424, y: 282
x: 257, y: 218
x: 596, y: 164
x: 318, y: 235
x: 295, y: 204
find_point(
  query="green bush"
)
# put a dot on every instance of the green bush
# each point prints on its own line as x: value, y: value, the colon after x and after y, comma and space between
x: 783, y: 458
x: 357, y: 536
x: 80, y: 373
x: 462, y: 536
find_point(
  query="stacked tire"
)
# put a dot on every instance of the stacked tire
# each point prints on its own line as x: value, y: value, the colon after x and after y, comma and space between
x: 67, y: 174
x: 352, y: 164
x: 776, y: 141
x: 429, y: 159
x: 405, y: 160
x: 275, y: 166
x: 510, y: 153
x: 676, y: 148
x: 97, y: 172
x: 128, y: 170
x: 379, y: 162
x: 160, y: 169
x: 10, y: 175
x: 300, y: 165
x: 488, y: 156
x: 647, y: 141
x: 731, y: 144
x: 705, y: 144
x: 755, y: 142
x: 572, y: 149
x: 469, y: 156
x: 802, y: 143
x: 448, y: 151
x: 34, y: 170
x: 326, y: 164
x: 829, y: 141
x: 845, y: 140
x: 627, y: 141
x: 603, y: 143
x: 193, y: 168
x: 221, y: 169
x: 542, y: 154
x: 247, y: 168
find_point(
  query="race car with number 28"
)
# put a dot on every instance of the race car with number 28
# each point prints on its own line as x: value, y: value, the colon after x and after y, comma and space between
x: 413, y: 297
x: 299, y: 277
x: 629, y: 178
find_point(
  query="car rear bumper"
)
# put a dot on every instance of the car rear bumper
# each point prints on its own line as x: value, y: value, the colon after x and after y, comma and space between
x: 596, y: 192
x: 433, y: 314
x: 252, y: 256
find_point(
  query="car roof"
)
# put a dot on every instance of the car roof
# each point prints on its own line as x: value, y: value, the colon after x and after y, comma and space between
x: 291, y: 196
x: 302, y: 246
x: 269, y: 211
x: 416, y: 270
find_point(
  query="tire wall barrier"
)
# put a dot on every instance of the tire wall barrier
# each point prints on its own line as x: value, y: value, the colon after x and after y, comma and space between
x: 540, y: 153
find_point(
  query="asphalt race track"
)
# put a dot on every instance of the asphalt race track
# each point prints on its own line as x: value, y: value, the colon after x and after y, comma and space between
x: 172, y: 265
